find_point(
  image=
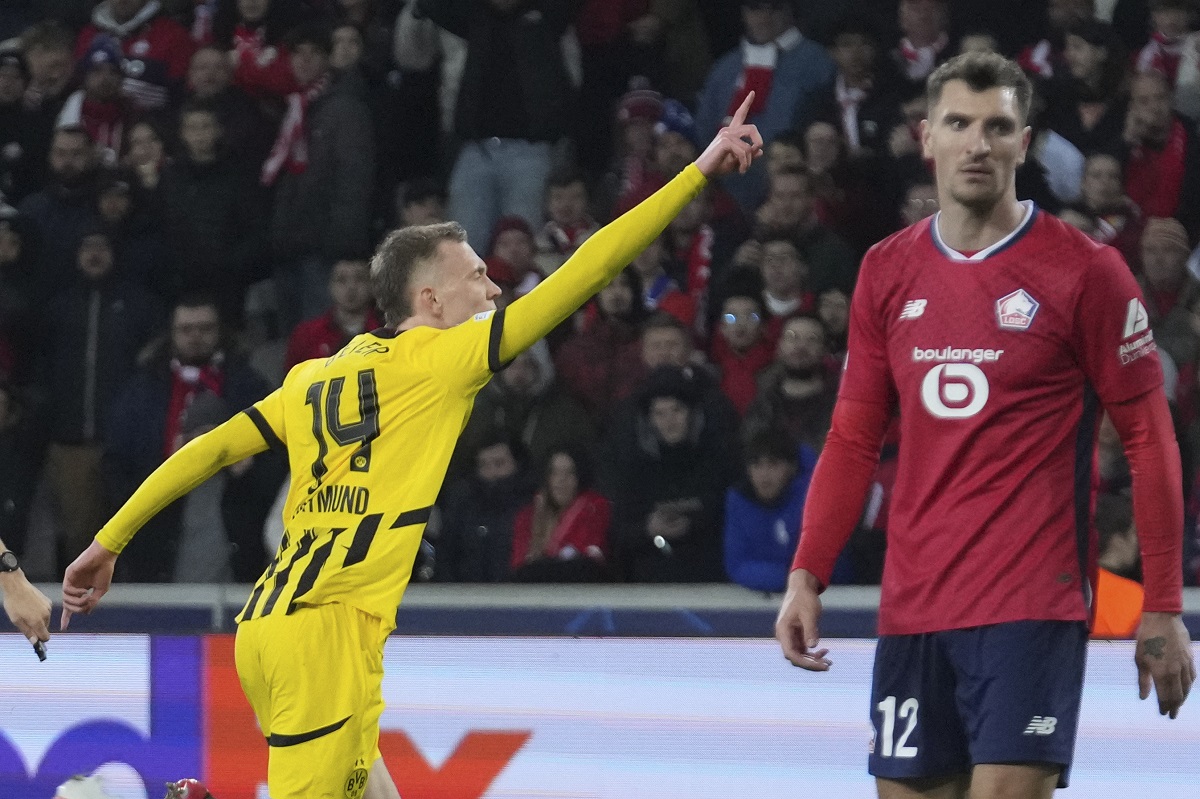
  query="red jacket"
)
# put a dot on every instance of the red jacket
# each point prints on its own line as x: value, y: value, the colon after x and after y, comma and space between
x: 320, y: 338
x: 582, y: 527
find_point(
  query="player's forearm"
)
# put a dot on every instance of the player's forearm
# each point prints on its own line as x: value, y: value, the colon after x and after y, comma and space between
x: 194, y: 463
x: 839, y: 485
x: 595, y: 264
x: 1148, y: 435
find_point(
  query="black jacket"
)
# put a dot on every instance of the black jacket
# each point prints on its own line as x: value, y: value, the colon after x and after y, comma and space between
x: 326, y: 209
x: 515, y: 82
x: 128, y: 316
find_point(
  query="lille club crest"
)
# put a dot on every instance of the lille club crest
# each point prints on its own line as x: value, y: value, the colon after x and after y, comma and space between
x: 1016, y: 311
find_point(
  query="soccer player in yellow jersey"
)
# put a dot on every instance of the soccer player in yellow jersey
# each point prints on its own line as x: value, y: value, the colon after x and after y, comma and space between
x: 368, y: 434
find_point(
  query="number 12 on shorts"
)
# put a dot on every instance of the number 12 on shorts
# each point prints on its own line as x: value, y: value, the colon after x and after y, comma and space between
x: 908, y: 713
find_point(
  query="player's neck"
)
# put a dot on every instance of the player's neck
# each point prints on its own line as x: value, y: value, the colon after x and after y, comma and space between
x: 963, y: 228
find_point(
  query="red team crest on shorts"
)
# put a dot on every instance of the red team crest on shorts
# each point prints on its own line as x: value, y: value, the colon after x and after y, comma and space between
x: 1016, y: 311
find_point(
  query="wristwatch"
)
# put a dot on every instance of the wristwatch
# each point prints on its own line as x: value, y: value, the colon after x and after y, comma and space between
x: 8, y: 562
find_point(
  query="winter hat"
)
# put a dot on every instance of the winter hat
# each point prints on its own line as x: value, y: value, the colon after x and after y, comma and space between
x: 676, y: 118
x: 641, y: 102
x: 102, y: 50
x: 507, y: 223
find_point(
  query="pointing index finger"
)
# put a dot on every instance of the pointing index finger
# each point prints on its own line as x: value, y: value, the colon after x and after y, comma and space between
x: 740, y: 116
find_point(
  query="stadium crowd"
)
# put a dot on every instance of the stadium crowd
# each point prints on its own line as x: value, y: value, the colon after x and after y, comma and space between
x: 192, y: 190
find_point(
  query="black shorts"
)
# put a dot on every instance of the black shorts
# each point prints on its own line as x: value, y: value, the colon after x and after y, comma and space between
x: 1006, y: 693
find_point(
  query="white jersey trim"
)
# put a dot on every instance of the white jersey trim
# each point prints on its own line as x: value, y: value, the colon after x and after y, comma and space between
x: 955, y: 255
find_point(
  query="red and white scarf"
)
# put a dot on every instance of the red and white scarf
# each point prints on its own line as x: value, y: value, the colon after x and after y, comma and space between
x: 758, y: 71
x: 1161, y: 55
x: 918, y: 62
x: 291, y: 147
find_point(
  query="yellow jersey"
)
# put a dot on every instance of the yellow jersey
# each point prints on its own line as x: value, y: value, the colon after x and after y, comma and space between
x: 369, y: 431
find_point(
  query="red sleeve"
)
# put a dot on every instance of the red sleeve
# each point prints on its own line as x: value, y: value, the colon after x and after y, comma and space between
x: 522, y: 527
x: 1112, y: 331
x: 299, y: 346
x: 1148, y: 435
x: 840, y: 484
x: 84, y: 41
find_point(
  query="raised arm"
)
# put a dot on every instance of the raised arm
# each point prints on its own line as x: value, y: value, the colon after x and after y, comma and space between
x: 88, y: 578
x: 612, y: 248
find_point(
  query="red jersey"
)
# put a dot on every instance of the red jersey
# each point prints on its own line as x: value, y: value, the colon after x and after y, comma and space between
x: 999, y: 364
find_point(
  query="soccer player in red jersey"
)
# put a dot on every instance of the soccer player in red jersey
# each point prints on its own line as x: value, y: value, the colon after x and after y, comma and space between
x: 998, y: 333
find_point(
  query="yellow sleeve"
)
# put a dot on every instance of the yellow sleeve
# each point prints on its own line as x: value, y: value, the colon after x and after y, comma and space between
x: 248, y: 433
x: 593, y: 266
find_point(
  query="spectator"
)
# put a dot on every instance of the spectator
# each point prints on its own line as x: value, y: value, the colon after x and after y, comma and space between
x: 1170, y: 21
x: 1046, y: 58
x: 790, y: 212
x: 666, y: 487
x: 93, y: 332
x: 48, y: 49
x: 786, y: 285
x: 1108, y: 215
x: 1162, y: 174
x: 420, y: 202
x: 156, y: 48
x: 739, y: 348
x: 99, y: 107
x: 145, y: 156
x: 352, y: 313
x: 978, y: 41
x: 512, y: 256
x: 253, y: 32
x: 18, y: 468
x: 1085, y: 103
x: 674, y: 139
x: 321, y: 167
x: 526, y: 403
x: 514, y: 102
x: 846, y: 191
x: 833, y: 309
x: 562, y: 535
x: 925, y: 42
x: 762, y: 515
x: 60, y: 212
x: 20, y: 130
x: 142, y: 254
x: 862, y: 96
x: 1168, y: 290
x: 660, y: 291
x: 144, y: 425
x: 475, y: 541
x: 796, y: 394
x: 568, y: 223
x: 1119, y: 597
x: 600, y: 365
x: 633, y: 175
x: 249, y: 130
x: 787, y: 73
x: 212, y: 214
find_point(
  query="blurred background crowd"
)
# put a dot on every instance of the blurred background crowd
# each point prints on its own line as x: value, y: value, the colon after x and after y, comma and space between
x: 192, y: 190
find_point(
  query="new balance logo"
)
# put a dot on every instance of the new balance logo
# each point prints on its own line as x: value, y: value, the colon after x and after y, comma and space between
x: 1136, y: 319
x: 1041, y: 725
x: 912, y: 309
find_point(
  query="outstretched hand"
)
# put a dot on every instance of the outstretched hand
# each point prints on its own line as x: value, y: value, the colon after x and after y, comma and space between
x: 735, y: 146
x: 86, y: 581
